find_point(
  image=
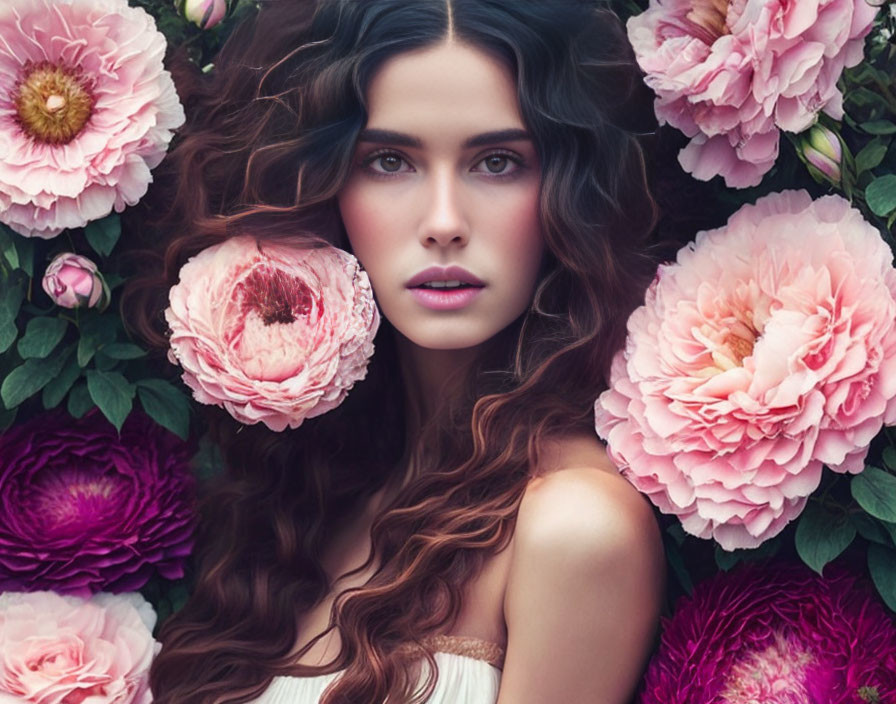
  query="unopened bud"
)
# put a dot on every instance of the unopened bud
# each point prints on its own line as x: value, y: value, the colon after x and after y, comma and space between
x: 72, y: 281
x: 823, y: 153
x: 204, y: 13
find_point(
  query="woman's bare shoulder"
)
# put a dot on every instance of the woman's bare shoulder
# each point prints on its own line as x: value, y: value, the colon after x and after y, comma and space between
x: 585, y: 581
x: 577, y: 494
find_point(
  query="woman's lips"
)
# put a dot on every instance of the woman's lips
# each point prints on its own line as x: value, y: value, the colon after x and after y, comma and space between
x: 445, y: 299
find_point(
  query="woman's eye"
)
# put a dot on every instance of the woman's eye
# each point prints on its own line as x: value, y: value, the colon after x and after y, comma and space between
x: 499, y: 164
x: 390, y: 162
x: 385, y: 163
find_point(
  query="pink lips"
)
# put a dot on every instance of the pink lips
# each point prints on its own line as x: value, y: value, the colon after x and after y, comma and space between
x: 445, y: 299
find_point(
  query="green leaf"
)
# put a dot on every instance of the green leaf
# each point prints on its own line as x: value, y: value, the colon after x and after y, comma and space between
x: 27, y: 379
x: 881, y: 195
x: 79, y: 401
x: 8, y: 247
x: 208, y: 462
x: 891, y: 531
x: 871, y: 154
x: 7, y: 418
x: 821, y: 536
x: 25, y: 249
x: 871, y: 529
x: 676, y: 562
x: 103, y: 234
x: 889, y: 456
x: 725, y: 560
x: 882, y: 566
x: 879, y: 127
x: 95, y: 334
x: 11, y: 297
x: 123, y: 350
x: 57, y: 388
x: 875, y: 491
x: 112, y: 393
x: 42, y: 334
x: 165, y: 405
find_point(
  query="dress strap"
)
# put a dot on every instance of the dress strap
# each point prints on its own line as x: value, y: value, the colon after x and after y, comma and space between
x: 467, y: 646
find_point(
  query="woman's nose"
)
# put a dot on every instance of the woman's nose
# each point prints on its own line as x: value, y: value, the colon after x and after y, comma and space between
x: 444, y: 220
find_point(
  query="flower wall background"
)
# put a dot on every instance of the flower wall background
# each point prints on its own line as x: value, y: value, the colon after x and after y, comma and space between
x: 762, y: 434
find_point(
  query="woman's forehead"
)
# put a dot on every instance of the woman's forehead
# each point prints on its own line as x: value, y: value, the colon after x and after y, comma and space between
x: 449, y: 86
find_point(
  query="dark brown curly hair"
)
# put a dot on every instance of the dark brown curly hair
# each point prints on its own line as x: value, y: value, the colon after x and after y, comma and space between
x: 268, y: 146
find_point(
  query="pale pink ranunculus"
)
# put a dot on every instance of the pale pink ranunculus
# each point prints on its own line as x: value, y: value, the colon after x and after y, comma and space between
x: 765, y: 352
x: 68, y: 650
x: 273, y: 332
x: 72, y: 281
x: 732, y: 74
x: 86, y: 111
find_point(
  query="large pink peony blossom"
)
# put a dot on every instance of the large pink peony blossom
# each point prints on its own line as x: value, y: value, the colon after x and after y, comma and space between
x: 765, y: 352
x: 67, y: 650
x: 776, y: 634
x: 272, y: 332
x: 86, y: 110
x: 731, y: 74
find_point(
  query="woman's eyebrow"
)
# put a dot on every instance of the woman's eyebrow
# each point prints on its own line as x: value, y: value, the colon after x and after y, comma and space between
x: 400, y: 139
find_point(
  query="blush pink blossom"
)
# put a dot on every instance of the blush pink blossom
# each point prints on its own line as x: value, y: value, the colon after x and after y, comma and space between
x: 731, y: 74
x: 68, y: 650
x: 86, y: 111
x: 767, y: 351
x: 272, y: 332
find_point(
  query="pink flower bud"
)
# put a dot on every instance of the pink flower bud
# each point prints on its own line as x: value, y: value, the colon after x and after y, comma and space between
x: 72, y: 281
x: 823, y: 153
x: 205, y: 13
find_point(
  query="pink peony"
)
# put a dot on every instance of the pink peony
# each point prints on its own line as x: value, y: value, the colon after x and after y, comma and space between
x: 776, y: 634
x: 272, y: 332
x: 730, y: 75
x: 86, y: 110
x: 765, y: 352
x: 72, y: 281
x: 67, y: 650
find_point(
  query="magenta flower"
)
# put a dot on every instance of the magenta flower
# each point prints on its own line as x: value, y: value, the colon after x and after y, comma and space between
x: 68, y: 650
x: 274, y: 333
x: 776, y: 634
x: 86, y: 111
x: 72, y: 281
x: 85, y: 510
x: 731, y: 75
x: 767, y: 351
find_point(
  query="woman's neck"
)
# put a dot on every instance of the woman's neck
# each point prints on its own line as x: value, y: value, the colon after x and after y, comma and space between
x: 431, y: 377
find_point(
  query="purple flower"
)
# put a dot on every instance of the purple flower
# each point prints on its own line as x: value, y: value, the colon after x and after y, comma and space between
x: 85, y: 509
x: 777, y: 634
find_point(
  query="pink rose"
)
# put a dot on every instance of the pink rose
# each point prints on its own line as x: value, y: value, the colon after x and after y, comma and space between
x: 767, y: 351
x: 271, y: 331
x: 205, y: 13
x: 72, y: 281
x: 68, y: 650
x: 731, y: 75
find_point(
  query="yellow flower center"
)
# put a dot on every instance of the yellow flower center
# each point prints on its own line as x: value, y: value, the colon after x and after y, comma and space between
x: 708, y: 19
x: 53, y: 103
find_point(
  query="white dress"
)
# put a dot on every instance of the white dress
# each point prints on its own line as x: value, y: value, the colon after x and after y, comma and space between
x: 469, y: 673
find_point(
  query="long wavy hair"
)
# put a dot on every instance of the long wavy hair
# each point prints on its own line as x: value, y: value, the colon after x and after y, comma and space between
x: 269, y: 145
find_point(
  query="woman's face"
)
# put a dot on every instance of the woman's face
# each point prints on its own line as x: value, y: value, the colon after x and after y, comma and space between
x: 444, y: 190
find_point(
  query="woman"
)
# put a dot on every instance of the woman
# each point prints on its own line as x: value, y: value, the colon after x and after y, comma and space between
x: 454, y: 531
